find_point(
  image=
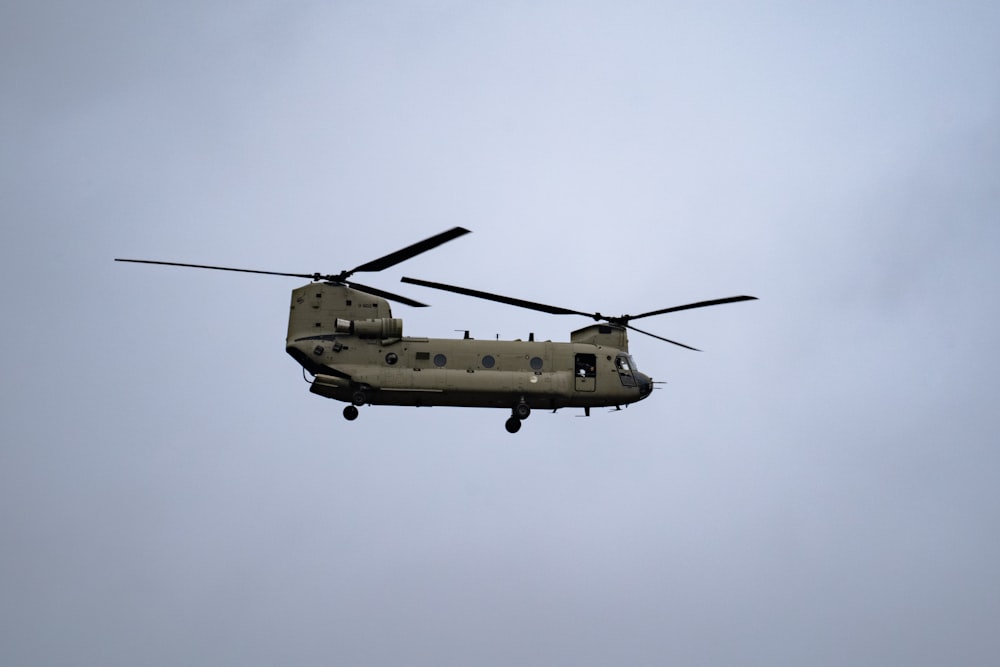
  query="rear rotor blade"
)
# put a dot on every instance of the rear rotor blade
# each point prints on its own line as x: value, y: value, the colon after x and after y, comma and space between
x: 387, y: 295
x: 510, y: 301
x: 410, y: 251
x: 699, y: 304
x: 310, y: 276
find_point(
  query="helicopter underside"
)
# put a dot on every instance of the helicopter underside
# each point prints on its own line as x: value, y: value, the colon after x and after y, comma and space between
x: 520, y: 403
x: 462, y: 398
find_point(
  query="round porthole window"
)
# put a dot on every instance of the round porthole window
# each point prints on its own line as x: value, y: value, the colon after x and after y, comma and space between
x: 440, y: 360
x: 488, y: 361
x: 536, y: 363
x: 391, y: 358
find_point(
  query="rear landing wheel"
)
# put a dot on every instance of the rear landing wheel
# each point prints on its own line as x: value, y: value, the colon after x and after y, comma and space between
x: 513, y: 425
x: 350, y: 413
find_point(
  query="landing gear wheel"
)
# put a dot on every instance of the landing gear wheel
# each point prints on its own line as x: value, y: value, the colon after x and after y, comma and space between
x: 350, y: 413
x: 359, y: 398
x: 522, y: 411
x: 513, y: 425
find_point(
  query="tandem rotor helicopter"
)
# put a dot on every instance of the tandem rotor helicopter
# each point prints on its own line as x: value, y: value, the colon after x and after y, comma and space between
x: 343, y: 334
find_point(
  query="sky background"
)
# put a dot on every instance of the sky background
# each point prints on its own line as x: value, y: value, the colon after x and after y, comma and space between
x: 819, y: 486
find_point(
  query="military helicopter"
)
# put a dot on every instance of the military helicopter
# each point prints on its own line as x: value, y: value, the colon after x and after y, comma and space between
x: 343, y: 334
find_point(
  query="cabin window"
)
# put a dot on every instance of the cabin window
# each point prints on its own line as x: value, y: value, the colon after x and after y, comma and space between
x: 391, y: 358
x: 536, y: 363
x: 440, y: 360
x: 586, y: 365
x: 488, y: 361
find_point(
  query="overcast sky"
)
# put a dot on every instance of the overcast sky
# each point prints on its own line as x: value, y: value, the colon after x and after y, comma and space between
x: 819, y: 486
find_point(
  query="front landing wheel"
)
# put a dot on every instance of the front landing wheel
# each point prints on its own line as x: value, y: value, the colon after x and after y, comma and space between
x: 513, y: 425
x: 350, y: 413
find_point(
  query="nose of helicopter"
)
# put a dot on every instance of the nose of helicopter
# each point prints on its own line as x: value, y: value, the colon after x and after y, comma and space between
x: 645, y: 385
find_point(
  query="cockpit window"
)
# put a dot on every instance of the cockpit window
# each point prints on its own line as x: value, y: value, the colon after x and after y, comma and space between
x: 624, y: 367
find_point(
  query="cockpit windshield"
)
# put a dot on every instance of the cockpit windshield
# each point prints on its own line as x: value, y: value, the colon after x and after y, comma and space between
x: 624, y: 366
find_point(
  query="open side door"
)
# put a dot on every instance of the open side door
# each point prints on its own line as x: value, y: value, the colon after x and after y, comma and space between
x: 586, y: 372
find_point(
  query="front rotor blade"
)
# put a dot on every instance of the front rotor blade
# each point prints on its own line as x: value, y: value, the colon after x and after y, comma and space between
x: 310, y: 276
x: 374, y: 291
x: 666, y: 340
x: 700, y: 304
x: 510, y: 301
x: 410, y: 251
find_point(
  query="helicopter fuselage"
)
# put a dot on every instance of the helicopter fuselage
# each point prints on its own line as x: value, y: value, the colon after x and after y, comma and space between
x: 355, y: 350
